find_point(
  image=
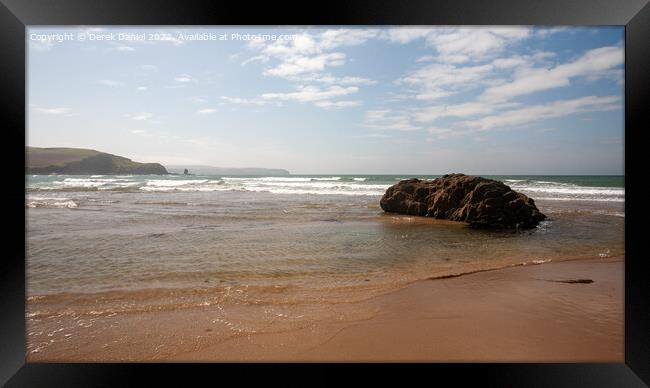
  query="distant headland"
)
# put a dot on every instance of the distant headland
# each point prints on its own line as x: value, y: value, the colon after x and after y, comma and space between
x: 81, y: 161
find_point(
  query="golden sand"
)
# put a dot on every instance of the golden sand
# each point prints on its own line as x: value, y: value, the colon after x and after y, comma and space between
x: 527, y: 313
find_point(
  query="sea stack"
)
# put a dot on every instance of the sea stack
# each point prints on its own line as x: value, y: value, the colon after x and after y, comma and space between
x: 481, y: 202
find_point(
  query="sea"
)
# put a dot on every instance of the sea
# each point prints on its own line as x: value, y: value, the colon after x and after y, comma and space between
x: 119, y: 244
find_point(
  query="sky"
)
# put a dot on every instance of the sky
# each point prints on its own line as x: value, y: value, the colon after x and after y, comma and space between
x: 344, y: 100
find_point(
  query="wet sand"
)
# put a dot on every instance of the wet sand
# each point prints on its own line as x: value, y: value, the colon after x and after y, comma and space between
x: 526, y: 313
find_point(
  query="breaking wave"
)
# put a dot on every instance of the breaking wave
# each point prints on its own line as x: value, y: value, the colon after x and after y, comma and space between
x: 313, y: 185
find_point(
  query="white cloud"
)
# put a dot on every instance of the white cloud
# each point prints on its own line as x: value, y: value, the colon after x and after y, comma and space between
x: 425, y: 58
x: 308, y: 53
x: 311, y: 44
x: 529, y: 80
x: 245, y: 101
x: 257, y: 58
x: 407, y: 34
x: 300, y: 64
x: 330, y: 79
x: 337, y: 104
x: 312, y: 93
x: 441, y: 80
x: 304, y: 61
x: 490, y: 117
x: 140, y: 116
x: 462, y: 110
x: 138, y: 132
x: 206, y: 111
x: 111, y: 83
x: 386, y: 119
x: 141, y: 88
x: 544, y: 32
x: 535, y: 113
x: 442, y: 133
x: 432, y: 94
x: 490, y: 82
x: 374, y: 115
x: 343, y: 37
x: 464, y: 59
x: 303, y: 44
x: 464, y: 44
x: 616, y: 75
x: 54, y: 111
x: 461, y: 60
x: 347, y: 80
x: 184, y: 78
x: 507, y: 63
x: 379, y: 135
x: 459, y: 45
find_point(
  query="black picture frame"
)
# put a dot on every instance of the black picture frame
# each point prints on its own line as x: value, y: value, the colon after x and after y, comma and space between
x: 15, y: 15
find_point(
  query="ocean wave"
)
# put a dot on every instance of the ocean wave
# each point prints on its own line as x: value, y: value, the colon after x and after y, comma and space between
x: 313, y: 191
x: 563, y: 191
x: 102, y: 201
x: 94, y: 180
x: 187, y: 189
x: 48, y: 202
x: 174, y: 183
x: 586, y: 199
x: 85, y: 183
x: 320, y: 188
x: 72, y: 189
x: 577, y: 190
x: 282, y: 179
x: 314, y: 185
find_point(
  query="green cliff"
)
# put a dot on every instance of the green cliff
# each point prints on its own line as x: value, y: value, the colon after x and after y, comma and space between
x: 79, y: 161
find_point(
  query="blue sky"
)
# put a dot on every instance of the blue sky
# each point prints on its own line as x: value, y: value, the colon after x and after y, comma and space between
x: 393, y: 100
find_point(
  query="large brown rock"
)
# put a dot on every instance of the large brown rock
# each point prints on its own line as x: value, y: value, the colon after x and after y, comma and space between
x: 481, y: 202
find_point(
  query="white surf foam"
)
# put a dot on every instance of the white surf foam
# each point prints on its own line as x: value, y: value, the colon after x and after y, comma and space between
x: 50, y: 202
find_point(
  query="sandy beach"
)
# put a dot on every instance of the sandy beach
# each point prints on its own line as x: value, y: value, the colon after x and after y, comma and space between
x: 553, y: 312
